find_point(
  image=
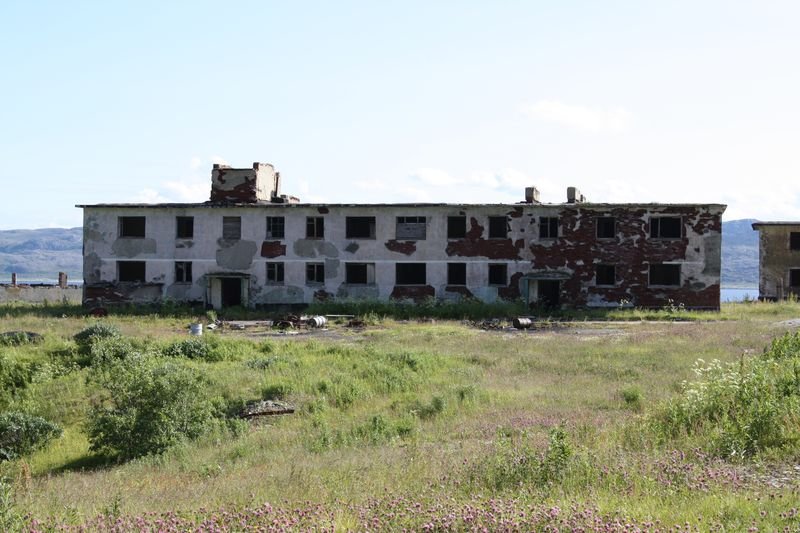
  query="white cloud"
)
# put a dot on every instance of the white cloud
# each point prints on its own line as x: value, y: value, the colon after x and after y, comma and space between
x: 434, y: 176
x: 218, y: 160
x: 580, y: 117
x: 149, y: 196
x: 188, y: 191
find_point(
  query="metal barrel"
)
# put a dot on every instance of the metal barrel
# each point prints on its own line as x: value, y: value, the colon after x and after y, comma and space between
x: 195, y: 329
x: 522, y: 323
x: 317, y: 322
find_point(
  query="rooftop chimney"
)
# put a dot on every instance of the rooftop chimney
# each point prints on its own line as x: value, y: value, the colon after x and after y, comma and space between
x: 532, y: 195
x: 244, y: 185
x: 574, y: 196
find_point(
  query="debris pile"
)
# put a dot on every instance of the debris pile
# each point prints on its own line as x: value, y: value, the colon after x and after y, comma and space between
x: 265, y: 408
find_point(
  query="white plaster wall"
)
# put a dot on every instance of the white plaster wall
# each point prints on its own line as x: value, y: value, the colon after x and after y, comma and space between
x: 101, y: 227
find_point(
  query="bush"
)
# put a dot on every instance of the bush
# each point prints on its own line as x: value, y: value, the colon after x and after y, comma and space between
x: 152, y: 406
x: 740, y: 410
x: 22, y: 434
x: 515, y: 462
x: 104, y: 350
x: 14, y: 377
x: 192, y: 348
x: 99, y: 330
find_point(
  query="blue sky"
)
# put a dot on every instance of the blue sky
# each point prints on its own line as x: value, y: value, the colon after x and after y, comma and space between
x: 401, y: 101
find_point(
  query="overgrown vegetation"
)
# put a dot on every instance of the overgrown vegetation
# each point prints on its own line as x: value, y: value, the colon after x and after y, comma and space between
x: 736, y: 410
x: 150, y: 406
x: 570, y: 427
x: 22, y: 434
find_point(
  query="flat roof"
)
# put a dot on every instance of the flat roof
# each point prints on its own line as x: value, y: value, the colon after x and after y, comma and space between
x: 215, y: 205
x: 776, y: 223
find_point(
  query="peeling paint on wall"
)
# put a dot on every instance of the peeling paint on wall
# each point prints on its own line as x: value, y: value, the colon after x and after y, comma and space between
x: 235, y: 255
x: 401, y: 247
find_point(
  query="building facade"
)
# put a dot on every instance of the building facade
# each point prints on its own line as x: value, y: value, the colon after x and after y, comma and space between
x: 251, y: 246
x: 778, y: 259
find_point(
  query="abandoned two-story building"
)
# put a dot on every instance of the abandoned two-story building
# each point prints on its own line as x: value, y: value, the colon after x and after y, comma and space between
x: 251, y: 246
x: 778, y: 259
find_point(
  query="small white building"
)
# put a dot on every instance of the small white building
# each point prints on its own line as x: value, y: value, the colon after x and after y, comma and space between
x: 251, y: 246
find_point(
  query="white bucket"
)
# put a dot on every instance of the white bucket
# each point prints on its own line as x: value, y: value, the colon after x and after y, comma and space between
x: 195, y: 329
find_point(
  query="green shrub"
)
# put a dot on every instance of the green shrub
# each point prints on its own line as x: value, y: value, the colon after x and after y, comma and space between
x: 104, y: 350
x: 632, y: 397
x: 739, y: 410
x: 516, y: 463
x: 152, y: 406
x: 22, y: 434
x: 193, y: 348
x: 99, y: 330
x: 261, y: 363
x: 276, y: 391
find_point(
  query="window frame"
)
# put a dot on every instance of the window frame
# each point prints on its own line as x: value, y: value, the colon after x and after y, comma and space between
x: 402, y: 266
x: 492, y: 272
x: 181, y: 224
x: 279, y: 272
x: 226, y: 221
x: 416, y: 230
x: 183, y: 270
x: 613, y: 274
x: 369, y: 273
x: 280, y: 221
x: 130, y: 264
x: 351, y: 222
x: 315, y: 273
x: 650, y: 282
x: 656, y: 227
x: 794, y: 241
x: 546, y: 225
x: 494, y: 222
x: 124, y: 227
x: 602, y: 222
x: 459, y: 266
x: 453, y: 219
x: 315, y: 227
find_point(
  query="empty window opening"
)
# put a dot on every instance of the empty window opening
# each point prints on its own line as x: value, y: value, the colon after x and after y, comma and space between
x: 131, y: 227
x: 794, y: 278
x: 183, y: 272
x: 498, y: 228
x: 665, y: 275
x: 606, y: 227
x: 548, y: 227
x: 315, y: 272
x: 605, y: 275
x: 131, y: 271
x: 456, y: 227
x: 666, y: 227
x: 411, y: 228
x: 231, y: 228
x: 184, y: 227
x: 315, y: 227
x: 275, y: 227
x: 359, y: 273
x: 360, y: 227
x: 498, y: 274
x: 456, y: 273
x: 794, y: 240
x: 410, y: 274
x: 274, y: 272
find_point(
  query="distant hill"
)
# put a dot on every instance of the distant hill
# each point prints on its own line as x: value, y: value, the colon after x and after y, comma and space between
x: 36, y: 254
x: 739, y: 254
x: 42, y: 253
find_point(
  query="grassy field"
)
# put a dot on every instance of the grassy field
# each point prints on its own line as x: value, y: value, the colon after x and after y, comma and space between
x: 416, y: 424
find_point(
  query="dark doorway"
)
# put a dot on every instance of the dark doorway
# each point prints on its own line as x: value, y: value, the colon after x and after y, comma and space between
x: 549, y: 292
x: 231, y: 292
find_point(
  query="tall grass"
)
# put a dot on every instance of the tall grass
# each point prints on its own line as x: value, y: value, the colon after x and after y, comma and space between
x: 452, y: 418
